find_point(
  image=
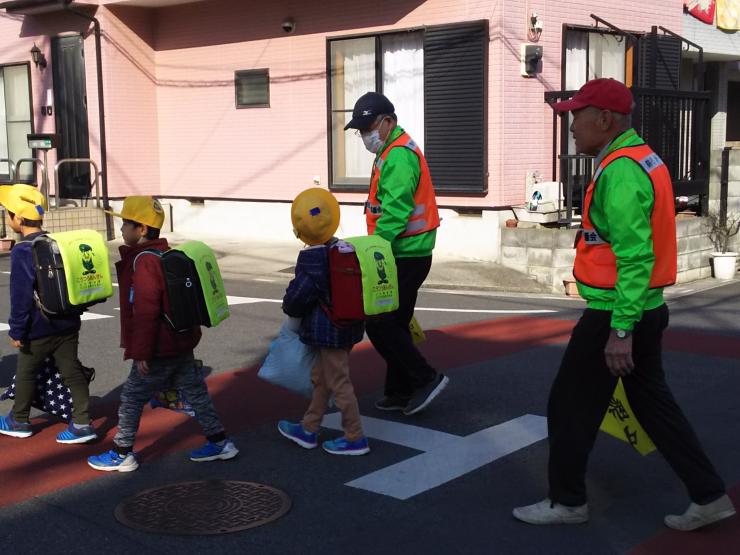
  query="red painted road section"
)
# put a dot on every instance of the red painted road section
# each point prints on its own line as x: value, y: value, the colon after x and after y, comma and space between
x: 38, y: 465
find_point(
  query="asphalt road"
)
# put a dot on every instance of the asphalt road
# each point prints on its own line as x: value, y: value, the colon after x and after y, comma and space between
x: 501, y: 364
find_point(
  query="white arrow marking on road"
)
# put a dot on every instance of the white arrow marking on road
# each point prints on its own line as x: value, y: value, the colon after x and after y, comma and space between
x: 446, y: 456
x: 4, y: 327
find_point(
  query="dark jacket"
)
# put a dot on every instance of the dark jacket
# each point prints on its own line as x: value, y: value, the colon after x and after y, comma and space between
x: 304, y: 296
x: 26, y: 321
x: 143, y: 299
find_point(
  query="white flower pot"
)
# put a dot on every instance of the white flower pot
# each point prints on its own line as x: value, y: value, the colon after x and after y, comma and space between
x: 725, y: 264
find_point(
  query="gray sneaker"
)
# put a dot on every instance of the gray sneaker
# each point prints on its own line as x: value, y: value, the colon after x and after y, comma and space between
x: 697, y: 516
x: 549, y: 512
x: 422, y: 397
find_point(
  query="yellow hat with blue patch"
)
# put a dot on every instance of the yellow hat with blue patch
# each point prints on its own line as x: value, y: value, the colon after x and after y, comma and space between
x: 25, y: 201
x: 315, y: 216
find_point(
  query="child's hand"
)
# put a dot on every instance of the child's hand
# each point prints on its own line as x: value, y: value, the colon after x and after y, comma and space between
x: 17, y: 343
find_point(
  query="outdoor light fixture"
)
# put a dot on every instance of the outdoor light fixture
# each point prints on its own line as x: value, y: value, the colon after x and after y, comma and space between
x: 38, y: 57
x: 534, y: 27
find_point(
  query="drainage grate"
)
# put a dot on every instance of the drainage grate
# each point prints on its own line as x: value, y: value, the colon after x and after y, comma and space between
x: 203, y: 508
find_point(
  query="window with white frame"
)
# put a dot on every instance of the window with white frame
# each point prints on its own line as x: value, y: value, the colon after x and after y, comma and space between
x: 15, y: 119
x: 425, y: 73
x: 355, y: 71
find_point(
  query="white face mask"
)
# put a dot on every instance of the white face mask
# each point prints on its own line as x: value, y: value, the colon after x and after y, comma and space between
x: 372, y: 140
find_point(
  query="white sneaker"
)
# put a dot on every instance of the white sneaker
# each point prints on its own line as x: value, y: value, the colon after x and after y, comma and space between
x: 549, y: 512
x: 697, y: 516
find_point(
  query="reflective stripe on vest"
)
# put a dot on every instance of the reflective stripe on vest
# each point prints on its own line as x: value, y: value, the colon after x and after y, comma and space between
x: 424, y: 217
x: 595, y: 264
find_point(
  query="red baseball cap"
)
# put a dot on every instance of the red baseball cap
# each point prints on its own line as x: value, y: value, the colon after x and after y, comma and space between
x: 607, y: 94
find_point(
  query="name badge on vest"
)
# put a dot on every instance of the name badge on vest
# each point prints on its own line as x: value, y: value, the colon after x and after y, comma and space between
x: 592, y: 237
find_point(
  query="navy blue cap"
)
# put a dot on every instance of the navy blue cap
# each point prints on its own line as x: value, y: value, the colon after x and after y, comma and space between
x: 368, y: 107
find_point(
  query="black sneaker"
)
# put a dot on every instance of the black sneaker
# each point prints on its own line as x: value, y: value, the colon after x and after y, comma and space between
x: 422, y: 397
x: 391, y: 402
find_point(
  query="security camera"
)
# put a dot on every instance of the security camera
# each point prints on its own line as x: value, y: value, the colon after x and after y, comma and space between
x: 288, y: 25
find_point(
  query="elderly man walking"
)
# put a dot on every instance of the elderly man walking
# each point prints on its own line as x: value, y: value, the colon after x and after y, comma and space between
x: 625, y: 256
x: 401, y: 208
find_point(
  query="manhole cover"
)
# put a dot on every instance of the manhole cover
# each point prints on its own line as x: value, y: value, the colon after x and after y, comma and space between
x: 203, y: 508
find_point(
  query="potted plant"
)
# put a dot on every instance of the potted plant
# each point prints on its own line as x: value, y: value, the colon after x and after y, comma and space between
x: 725, y: 261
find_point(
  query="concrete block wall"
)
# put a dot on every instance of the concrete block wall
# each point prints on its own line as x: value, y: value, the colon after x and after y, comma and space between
x: 694, y: 249
x: 733, y: 181
x: 547, y: 255
x: 71, y: 218
x: 542, y: 253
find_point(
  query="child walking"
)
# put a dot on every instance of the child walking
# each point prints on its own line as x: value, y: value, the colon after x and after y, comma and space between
x: 35, y: 335
x: 162, y: 357
x: 315, y: 216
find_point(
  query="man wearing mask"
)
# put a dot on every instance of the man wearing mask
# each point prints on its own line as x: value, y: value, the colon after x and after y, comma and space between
x: 401, y: 208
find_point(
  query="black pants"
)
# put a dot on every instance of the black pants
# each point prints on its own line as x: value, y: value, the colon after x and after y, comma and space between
x: 31, y: 359
x: 389, y: 333
x: 580, y: 396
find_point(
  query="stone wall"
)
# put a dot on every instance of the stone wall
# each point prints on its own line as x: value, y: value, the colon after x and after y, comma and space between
x: 547, y: 254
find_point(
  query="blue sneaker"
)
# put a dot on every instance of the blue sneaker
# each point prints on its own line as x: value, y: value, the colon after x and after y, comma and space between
x: 341, y: 446
x: 214, y: 452
x: 9, y: 426
x: 112, y: 461
x: 77, y: 435
x: 298, y: 434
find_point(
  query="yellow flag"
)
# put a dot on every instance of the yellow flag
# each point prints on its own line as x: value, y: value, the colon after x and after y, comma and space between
x: 417, y: 334
x: 621, y: 422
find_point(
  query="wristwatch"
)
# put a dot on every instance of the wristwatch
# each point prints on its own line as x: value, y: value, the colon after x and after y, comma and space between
x: 622, y: 334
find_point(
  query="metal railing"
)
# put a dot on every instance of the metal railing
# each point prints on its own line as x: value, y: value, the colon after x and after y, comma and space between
x: 11, y: 172
x: 577, y: 170
x: 95, y: 183
x: 674, y: 123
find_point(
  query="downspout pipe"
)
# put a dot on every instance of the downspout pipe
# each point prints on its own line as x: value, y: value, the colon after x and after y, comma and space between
x: 101, y: 116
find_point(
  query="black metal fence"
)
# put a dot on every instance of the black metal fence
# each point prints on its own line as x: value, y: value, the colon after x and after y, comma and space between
x: 675, y: 124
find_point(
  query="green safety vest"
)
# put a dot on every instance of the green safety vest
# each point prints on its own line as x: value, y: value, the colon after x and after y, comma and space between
x: 211, y: 283
x: 86, y: 268
x: 379, y: 273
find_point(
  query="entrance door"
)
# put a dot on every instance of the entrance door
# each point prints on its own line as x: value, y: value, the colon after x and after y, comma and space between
x: 70, y: 99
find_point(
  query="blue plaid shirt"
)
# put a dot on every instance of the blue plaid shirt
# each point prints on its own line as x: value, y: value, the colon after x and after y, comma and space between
x: 307, y: 292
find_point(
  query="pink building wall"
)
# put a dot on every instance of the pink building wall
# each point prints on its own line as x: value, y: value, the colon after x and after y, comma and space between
x: 173, y: 128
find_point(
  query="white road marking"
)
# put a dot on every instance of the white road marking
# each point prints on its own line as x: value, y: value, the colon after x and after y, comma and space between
x: 485, y: 311
x: 94, y: 316
x: 446, y: 456
x: 264, y: 280
x: 85, y: 316
x: 249, y: 300
x: 414, y: 437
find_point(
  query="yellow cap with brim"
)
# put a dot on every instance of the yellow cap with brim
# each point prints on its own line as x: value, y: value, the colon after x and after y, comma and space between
x: 143, y: 210
x: 315, y: 216
x: 25, y: 201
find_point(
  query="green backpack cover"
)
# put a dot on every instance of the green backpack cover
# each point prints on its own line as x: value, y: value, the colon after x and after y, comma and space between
x: 86, y: 267
x: 379, y: 273
x: 209, y: 275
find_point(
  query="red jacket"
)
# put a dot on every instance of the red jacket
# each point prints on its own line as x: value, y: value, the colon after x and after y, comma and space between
x: 143, y: 299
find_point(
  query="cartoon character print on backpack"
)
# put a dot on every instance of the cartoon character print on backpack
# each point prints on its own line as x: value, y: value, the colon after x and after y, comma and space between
x: 87, y: 259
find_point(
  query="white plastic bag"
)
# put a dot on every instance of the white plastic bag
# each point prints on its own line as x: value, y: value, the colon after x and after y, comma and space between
x: 289, y: 361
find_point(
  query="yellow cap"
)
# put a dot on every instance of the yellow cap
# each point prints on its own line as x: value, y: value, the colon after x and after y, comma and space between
x: 315, y: 216
x: 143, y: 210
x: 24, y: 201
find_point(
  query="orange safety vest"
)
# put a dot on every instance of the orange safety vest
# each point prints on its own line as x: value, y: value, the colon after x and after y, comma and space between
x: 596, y: 265
x: 425, y: 216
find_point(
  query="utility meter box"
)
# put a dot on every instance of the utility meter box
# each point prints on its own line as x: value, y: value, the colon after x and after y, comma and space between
x: 530, y: 57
